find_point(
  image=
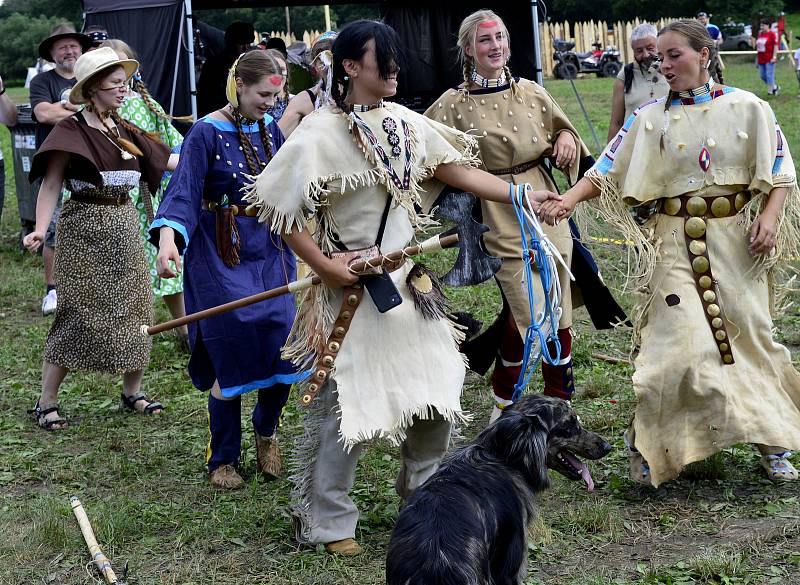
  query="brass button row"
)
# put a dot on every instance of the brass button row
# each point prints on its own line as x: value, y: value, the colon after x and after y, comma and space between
x: 326, y: 361
x: 697, y: 248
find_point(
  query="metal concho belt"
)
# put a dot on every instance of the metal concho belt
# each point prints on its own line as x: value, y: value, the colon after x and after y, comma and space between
x: 696, y: 212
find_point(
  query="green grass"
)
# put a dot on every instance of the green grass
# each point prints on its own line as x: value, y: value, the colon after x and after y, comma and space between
x: 143, y: 485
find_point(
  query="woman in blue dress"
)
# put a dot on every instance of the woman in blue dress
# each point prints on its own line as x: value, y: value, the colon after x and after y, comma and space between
x: 229, y: 255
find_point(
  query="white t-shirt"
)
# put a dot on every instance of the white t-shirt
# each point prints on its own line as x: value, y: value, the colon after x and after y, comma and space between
x: 797, y: 59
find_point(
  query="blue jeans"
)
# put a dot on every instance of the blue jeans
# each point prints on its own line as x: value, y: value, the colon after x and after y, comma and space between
x: 767, y: 73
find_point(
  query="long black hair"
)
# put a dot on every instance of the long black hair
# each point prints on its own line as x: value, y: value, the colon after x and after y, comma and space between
x: 352, y: 44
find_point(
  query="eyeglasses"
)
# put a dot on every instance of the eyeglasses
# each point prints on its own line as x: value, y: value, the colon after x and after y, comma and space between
x: 123, y: 86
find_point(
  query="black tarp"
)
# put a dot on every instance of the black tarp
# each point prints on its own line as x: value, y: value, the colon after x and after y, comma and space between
x: 429, y: 34
x: 152, y: 28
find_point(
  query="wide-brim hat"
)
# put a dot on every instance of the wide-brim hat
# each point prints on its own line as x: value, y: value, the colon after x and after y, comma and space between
x: 58, y: 33
x: 94, y: 62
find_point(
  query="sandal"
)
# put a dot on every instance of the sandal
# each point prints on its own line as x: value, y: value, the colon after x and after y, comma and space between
x: 778, y: 467
x: 39, y: 414
x: 152, y: 407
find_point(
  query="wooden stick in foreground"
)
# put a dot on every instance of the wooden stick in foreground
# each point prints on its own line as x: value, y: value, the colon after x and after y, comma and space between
x: 430, y: 245
x: 100, y: 559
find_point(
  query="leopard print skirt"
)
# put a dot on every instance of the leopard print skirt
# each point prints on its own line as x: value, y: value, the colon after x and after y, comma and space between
x: 104, y: 294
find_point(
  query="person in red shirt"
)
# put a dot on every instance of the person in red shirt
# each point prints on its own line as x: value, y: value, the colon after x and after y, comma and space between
x: 767, y: 48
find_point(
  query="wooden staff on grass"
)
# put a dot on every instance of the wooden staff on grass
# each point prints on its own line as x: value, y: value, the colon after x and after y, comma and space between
x: 100, y: 559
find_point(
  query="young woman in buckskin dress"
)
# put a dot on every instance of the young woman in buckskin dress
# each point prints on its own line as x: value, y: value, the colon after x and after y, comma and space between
x: 709, y: 373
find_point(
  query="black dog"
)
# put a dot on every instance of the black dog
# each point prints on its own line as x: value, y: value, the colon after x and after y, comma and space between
x: 467, y: 525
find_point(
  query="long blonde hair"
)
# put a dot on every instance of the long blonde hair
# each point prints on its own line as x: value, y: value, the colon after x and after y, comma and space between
x: 467, y: 35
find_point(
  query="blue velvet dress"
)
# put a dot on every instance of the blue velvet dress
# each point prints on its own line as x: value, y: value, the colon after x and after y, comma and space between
x: 240, y: 348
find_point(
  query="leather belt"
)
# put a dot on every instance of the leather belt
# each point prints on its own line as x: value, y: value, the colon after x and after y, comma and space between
x: 520, y: 168
x: 322, y: 367
x: 696, y: 212
x: 236, y: 208
x: 98, y: 200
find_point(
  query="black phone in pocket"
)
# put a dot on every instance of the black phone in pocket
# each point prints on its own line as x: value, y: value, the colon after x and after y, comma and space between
x: 383, y: 291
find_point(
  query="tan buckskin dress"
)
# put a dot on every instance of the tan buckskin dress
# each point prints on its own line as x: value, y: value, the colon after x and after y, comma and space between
x: 709, y: 373
x: 513, y: 127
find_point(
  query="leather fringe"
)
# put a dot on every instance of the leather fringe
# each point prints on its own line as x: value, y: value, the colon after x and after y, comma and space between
x: 228, y: 241
x: 427, y: 293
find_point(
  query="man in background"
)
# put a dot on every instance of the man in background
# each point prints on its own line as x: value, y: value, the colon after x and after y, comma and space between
x: 48, y: 95
x: 713, y: 29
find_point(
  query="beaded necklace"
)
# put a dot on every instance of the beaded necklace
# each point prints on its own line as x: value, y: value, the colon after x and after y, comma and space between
x: 361, y: 125
x: 485, y: 83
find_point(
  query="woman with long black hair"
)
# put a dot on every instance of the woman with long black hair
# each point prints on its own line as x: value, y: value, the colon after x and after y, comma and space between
x: 363, y: 168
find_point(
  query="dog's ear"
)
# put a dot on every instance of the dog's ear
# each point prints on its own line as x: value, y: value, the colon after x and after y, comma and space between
x: 520, y: 440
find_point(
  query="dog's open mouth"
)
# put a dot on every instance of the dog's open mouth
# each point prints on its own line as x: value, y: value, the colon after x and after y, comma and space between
x: 580, y: 469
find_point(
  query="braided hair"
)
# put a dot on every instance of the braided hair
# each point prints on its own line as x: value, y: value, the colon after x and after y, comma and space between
x: 697, y: 36
x: 251, y: 68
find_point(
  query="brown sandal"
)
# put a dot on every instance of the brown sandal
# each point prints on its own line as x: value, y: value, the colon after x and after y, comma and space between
x: 39, y: 414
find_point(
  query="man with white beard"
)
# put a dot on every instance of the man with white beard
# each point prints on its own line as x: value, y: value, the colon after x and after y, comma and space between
x: 48, y: 95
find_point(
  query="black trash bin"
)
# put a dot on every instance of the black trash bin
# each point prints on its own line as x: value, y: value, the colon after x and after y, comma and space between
x: 23, y: 145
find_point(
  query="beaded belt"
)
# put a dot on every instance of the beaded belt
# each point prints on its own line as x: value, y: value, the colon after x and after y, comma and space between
x: 696, y: 211
x: 236, y: 208
x: 100, y: 200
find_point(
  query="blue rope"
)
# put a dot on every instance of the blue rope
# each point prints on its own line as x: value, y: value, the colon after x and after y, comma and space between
x: 532, y: 250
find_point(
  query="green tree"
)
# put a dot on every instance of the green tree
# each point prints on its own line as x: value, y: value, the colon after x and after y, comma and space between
x: 63, y: 10
x: 22, y: 34
x: 743, y: 11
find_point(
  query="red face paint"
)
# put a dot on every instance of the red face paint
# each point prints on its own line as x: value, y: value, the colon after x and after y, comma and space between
x: 275, y: 79
x: 488, y: 24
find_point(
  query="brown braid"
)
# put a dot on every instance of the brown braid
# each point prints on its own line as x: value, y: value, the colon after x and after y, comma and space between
x: 133, y: 128
x: 140, y: 88
x: 262, y: 130
x: 253, y: 162
x: 467, y: 66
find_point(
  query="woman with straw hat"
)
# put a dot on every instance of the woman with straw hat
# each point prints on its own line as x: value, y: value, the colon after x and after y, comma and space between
x: 100, y: 261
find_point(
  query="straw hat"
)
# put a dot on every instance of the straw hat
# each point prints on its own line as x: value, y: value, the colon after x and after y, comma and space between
x: 91, y: 63
x: 62, y: 31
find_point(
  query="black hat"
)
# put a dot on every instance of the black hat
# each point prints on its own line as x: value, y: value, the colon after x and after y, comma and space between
x: 62, y: 31
x: 699, y: 14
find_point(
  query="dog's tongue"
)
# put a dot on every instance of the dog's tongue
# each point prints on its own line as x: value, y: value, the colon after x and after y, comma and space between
x: 583, y: 469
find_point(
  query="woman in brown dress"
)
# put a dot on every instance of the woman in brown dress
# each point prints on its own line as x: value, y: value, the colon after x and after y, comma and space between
x: 100, y: 267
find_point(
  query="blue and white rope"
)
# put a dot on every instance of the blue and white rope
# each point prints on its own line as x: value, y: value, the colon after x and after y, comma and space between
x: 537, y: 247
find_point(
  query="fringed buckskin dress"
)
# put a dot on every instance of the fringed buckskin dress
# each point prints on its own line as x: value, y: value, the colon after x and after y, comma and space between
x: 104, y: 292
x: 397, y: 374
x: 709, y: 373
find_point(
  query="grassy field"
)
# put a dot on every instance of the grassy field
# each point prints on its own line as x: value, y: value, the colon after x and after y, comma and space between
x: 143, y: 484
